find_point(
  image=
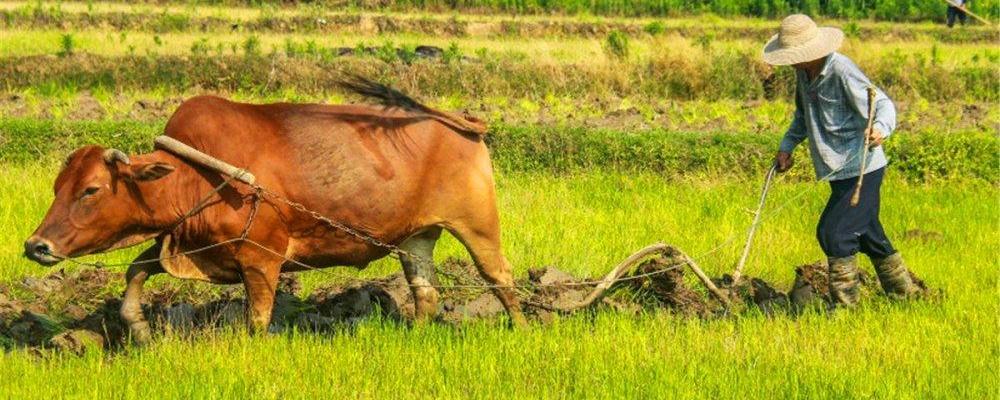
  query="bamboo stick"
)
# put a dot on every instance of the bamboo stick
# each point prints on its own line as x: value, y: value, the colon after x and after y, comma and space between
x: 969, y: 13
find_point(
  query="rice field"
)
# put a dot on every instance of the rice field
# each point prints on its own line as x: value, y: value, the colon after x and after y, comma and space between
x: 586, y: 147
x: 584, y: 224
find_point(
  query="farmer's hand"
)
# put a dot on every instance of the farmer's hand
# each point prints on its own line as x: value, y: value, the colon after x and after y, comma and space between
x: 875, y: 137
x: 783, y: 160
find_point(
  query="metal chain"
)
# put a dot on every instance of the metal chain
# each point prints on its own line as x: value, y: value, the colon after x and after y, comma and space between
x: 260, y: 192
x: 398, y: 251
x: 243, y: 238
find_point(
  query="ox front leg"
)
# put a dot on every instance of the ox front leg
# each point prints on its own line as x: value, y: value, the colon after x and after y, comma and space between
x: 261, y: 283
x: 135, y: 278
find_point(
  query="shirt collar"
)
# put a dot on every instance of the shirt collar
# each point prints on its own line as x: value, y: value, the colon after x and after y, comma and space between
x: 827, y: 66
x: 823, y: 73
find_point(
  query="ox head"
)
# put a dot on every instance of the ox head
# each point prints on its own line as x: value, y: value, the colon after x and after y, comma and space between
x: 99, y: 206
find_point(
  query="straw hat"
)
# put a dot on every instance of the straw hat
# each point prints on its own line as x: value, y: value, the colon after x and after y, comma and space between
x: 800, y: 40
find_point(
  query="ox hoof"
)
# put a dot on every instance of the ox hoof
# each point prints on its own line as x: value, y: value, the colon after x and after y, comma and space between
x: 517, y: 321
x: 141, y: 333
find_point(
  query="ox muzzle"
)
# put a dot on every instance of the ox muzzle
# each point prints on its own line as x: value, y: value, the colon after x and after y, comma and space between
x: 40, y: 251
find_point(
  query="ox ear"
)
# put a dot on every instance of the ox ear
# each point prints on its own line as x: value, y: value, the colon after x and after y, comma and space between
x: 144, y: 172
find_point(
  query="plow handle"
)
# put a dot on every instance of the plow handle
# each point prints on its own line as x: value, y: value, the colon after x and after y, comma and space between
x: 856, y: 197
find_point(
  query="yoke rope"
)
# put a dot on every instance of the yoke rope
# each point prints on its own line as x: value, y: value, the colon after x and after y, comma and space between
x: 260, y: 192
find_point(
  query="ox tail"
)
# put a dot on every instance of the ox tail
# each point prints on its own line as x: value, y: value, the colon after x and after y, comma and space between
x: 393, y: 98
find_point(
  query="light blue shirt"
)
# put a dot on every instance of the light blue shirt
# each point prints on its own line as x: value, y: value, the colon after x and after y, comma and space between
x: 832, y: 112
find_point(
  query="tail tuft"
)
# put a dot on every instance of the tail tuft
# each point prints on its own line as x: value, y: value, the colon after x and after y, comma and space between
x: 392, y: 98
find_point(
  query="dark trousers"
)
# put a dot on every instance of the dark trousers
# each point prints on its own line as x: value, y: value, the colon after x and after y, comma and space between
x: 844, y: 230
x: 953, y: 13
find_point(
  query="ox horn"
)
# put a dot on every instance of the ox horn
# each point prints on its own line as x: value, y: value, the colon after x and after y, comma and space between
x: 112, y: 155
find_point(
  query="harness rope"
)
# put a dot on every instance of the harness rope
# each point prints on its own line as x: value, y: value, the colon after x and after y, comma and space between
x: 260, y: 192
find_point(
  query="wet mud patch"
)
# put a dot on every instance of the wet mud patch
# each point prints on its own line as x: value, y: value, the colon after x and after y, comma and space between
x: 811, y: 286
x: 78, y: 311
x: 923, y: 236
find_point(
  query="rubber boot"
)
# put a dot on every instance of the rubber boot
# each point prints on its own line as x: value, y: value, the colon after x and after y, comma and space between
x: 895, y: 278
x: 845, y: 280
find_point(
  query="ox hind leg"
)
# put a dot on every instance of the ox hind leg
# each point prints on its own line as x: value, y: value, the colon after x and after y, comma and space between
x: 483, y: 243
x: 135, y: 278
x: 420, y: 272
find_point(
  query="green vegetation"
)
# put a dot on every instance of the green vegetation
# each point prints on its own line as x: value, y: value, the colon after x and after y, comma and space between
x: 676, y: 73
x: 584, y: 224
x: 608, y: 133
x: 617, y: 45
x: 67, y: 45
x: 898, y: 10
x: 315, y: 20
x: 917, y: 157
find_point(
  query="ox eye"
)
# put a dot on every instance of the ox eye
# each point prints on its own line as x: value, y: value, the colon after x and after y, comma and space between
x: 89, y: 191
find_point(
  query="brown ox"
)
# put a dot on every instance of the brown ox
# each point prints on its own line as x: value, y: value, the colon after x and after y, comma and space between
x: 399, y: 174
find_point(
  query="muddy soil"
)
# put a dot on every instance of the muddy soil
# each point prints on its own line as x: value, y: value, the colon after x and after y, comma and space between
x: 80, y: 310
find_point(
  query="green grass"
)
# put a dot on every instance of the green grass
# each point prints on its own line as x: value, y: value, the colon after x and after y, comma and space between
x: 902, y: 10
x: 683, y: 72
x: 580, y: 199
x: 542, y: 50
x: 919, y: 156
x: 249, y: 10
x: 584, y: 223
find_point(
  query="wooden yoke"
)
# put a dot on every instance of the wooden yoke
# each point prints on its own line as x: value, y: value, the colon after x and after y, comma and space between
x: 189, y: 153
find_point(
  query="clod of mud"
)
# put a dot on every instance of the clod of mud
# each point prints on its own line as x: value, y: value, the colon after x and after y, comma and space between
x: 219, y: 313
x: 485, y: 306
x: 755, y: 291
x: 557, y: 288
x: 32, y: 328
x: 77, y: 341
x: 669, y: 289
x: 106, y: 320
x: 9, y: 309
x: 811, y: 287
x: 422, y: 51
x: 549, y: 276
x: 180, y: 317
x: 923, y: 236
x: 390, y: 297
x: 76, y: 311
x: 289, y: 283
x: 552, y: 289
x: 87, y: 108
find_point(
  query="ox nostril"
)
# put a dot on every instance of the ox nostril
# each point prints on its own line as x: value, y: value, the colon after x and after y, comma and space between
x: 40, y: 251
x: 37, y: 247
x: 42, y: 248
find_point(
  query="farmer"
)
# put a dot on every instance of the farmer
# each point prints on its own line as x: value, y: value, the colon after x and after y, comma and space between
x: 831, y: 111
x: 956, y: 9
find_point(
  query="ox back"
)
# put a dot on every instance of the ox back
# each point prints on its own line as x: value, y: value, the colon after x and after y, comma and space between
x: 390, y: 173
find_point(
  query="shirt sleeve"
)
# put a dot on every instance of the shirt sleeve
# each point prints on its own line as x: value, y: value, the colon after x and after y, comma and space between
x: 855, y: 87
x: 796, y: 133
